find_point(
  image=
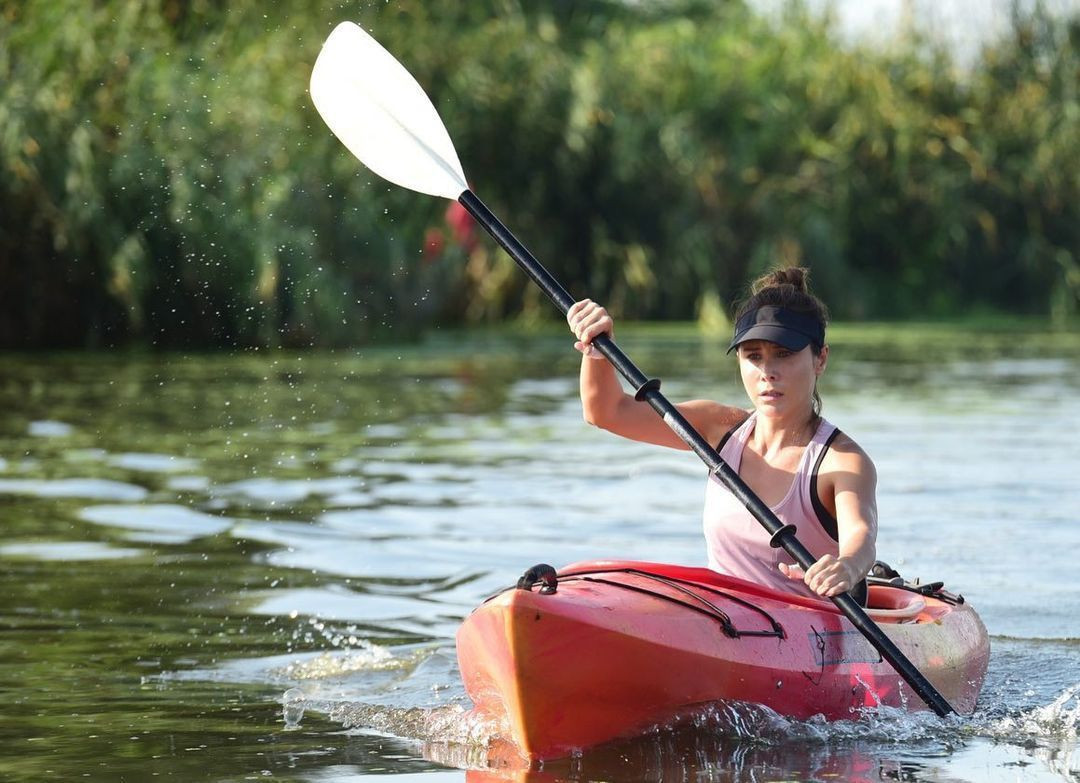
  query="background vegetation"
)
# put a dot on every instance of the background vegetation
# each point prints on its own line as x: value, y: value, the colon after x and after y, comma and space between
x: 166, y: 180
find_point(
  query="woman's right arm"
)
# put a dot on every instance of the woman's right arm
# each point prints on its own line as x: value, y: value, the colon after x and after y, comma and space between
x: 604, y: 403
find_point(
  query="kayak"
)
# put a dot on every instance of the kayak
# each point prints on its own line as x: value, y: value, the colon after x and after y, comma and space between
x: 608, y: 649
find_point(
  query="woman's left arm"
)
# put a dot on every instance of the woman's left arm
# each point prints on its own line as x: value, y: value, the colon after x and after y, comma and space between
x: 855, y: 493
x: 851, y: 479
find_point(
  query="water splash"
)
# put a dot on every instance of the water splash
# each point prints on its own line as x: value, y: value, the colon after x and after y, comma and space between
x: 1059, y: 720
x: 451, y: 724
x: 459, y: 737
x: 363, y: 657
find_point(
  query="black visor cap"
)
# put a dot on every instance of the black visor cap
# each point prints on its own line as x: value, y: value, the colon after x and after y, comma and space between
x: 793, y: 330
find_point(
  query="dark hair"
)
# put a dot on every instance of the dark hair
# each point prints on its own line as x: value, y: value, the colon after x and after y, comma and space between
x: 788, y: 287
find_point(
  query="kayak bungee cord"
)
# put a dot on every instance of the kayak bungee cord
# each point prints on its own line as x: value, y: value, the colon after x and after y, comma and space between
x: 704, y: 606
x: 550, y: 580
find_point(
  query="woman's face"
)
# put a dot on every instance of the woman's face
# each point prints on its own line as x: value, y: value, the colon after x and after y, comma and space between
x: 780, y: 382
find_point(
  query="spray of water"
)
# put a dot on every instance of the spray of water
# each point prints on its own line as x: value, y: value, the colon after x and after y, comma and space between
x: 347, y: 685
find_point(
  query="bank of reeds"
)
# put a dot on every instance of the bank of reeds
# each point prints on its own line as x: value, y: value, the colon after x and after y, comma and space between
x: 166, y: 180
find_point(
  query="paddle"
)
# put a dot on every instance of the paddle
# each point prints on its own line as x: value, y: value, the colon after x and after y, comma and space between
x: 376, y: 108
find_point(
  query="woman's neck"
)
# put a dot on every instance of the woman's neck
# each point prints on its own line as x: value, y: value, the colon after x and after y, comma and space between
x: 774, y: 435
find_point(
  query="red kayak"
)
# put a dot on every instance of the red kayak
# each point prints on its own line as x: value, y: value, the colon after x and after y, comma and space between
x: 606, y: 649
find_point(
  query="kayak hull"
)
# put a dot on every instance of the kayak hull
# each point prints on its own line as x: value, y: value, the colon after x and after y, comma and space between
x: 621, y: 646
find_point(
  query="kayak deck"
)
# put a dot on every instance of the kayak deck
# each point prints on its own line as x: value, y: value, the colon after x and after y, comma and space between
x: 619, y: 646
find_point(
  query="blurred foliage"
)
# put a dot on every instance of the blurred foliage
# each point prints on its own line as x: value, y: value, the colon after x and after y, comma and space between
x: 166, y: 180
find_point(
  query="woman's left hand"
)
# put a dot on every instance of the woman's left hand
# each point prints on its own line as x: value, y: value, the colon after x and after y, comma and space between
x: 828, y: 577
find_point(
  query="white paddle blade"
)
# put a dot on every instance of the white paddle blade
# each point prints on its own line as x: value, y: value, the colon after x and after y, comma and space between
x: 382, y: 115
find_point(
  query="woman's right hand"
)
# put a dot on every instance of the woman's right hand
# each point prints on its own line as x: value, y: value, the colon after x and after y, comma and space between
x: 587, y: 321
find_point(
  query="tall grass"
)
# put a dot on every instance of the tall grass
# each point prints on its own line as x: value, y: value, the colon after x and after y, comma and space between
x: 166, y: 180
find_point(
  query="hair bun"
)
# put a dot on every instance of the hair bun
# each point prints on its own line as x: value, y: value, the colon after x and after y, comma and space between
x: 798, y: 277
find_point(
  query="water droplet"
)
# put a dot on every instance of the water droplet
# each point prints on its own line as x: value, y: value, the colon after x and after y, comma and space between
x: 292, y: 708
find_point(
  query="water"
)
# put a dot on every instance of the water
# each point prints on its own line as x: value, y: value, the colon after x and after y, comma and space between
x: 247, y: 567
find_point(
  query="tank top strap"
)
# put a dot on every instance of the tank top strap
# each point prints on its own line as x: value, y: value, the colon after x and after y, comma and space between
x: 825, y: 431
x: 819, y: 443
x: 812, y: 455
x: 732, y: 445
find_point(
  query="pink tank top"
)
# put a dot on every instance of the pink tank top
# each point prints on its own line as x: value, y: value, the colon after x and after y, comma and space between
x: 737, y: 543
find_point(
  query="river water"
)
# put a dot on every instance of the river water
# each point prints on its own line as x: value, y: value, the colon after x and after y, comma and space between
x: 252, y: 567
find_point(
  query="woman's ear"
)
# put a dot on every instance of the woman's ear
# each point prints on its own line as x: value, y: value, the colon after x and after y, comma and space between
x: 820, y: 360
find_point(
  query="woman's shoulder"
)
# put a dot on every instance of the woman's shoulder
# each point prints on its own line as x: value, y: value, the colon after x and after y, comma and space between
x: 845, y: 455
x: 713, y: 420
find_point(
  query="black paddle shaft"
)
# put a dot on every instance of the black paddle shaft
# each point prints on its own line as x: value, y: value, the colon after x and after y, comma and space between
x: 648, y: 390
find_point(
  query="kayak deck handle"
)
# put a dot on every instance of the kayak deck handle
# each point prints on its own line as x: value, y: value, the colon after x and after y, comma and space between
x: 543, y: 573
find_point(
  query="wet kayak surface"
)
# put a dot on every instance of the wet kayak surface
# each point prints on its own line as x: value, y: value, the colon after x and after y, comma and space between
x: 238, y: 567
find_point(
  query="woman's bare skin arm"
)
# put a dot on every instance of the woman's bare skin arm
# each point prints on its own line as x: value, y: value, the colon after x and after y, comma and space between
x: 606, y: 405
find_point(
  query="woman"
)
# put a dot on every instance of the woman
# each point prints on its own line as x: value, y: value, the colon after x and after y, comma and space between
x: 808, y: 472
